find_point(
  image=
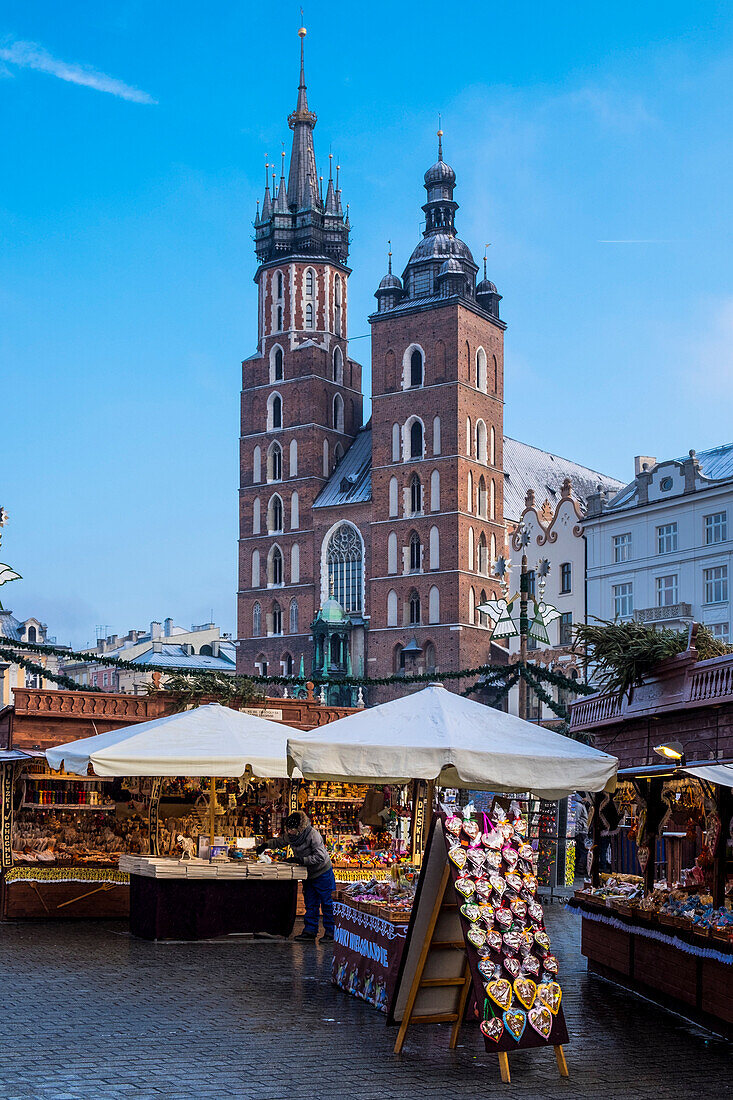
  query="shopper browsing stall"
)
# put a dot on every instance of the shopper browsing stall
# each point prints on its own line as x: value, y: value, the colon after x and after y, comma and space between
x: 309, y: 850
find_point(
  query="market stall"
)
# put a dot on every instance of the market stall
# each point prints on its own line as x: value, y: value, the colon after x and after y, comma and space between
x: 442, y: 739
x: 666, y: 931
x: 205, y: 892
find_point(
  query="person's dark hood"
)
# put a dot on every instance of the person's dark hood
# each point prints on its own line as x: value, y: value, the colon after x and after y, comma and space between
x: 304, y: 824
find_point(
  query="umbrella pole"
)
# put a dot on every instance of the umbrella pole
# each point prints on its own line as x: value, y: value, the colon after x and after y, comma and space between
x: 212, y: 803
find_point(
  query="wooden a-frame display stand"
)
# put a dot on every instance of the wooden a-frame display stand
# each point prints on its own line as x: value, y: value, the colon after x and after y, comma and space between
x: 439, y: 967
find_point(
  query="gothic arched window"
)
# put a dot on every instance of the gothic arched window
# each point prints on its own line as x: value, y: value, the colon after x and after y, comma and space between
x: 310, y: 283
x: 337, y: 305
x: 415, y: 553
x: 277, y: 619
x: 293, y: 626
x: 344, y: 560
x: 279, y: 284
x: 415, y: 495
x: 482, y: 497
x: 256, y: 620
x: 338, y: 367
x: 430, y: 657
x: 416, y: 439
x: 309, y: 323
x: 414, y: 608
x: 481, y: 370
x: 274, y: 515
x: 416, y: 372
x: 275, y: 463
x: 278, y: 371
x: 483, y: 618
x: 274, y: 411
x: 338, y: 412
x: 275, y: 566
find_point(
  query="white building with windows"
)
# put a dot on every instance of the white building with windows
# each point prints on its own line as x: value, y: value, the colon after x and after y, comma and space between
x: 661, y: 549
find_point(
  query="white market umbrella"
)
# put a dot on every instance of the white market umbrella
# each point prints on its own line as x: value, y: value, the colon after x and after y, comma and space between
x: 208, y: 741
x: 436, y: 734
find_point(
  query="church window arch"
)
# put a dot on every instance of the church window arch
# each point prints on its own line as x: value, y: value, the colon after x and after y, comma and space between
x: 309, y: 315
x: 274, y: 412
x: 338, y: 412
x: 481, y: 501
x: 415, y: 553
x: 256, y: 516
x: 398, y: 653
x: 430, y: 658
x: 326, y: 468
x: 279, y: 284
x: 413, y: 367
x: 275, y: 514
x: 434, y: 605
x: 469, y: 493
x: 392, y: 552
x: 293, y: 623
x: 483, y: 556
x: 391, y: 608
x: 256, y: 620
x: 471, y: 606
x: 481, y: 365
x: 393, y: 497
x: 434, y: 548
x: 294, y: 512
x: 276, y: 363
x: 256, y: 465
x: 276, y: 618
x: 310, y: 283
x: 293, y: 457
x: 435, y: 491
x: 436, y: 435
x: 483, y: 618
x: 342, y: 566
x: 468, y: 436
x: 470, y: 549
x: 492, y: 446
x: 395, y: 442
x: 414, y: 608
x: 415, y: 495
x: 338, y: 366
x: 496, y: 374
x: 492, y: 501
x: 275, y: 572
x: 295, y: 563
x: 255, y: 569
x: 414, y: 439
x: 274, y: 462
x: 337, y: 305
x: 493, y: 548
x: 481, y: 442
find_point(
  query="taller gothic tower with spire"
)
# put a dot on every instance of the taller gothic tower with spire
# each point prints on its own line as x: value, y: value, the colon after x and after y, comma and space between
x: 301, y: 404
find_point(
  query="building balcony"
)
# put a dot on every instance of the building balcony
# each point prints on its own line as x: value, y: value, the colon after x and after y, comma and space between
x: 673, y: 612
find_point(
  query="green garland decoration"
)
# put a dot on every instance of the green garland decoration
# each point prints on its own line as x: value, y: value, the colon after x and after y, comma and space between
x: 59, y: 678
x: 559, y: 679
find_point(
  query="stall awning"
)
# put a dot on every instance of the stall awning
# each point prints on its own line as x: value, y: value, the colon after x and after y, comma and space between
x: 436, y: 734
x: 722, y: 774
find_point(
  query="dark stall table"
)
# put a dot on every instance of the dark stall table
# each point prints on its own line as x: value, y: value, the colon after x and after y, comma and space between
x: 173, y: 899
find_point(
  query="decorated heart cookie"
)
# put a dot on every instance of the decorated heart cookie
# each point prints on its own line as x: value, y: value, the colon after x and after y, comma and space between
x: 512, y: 966
x: 476, y: 935
x: 500, y: 991
x: 498, y: 813
x: 518, y: 908
x: 493, y: 840
x: 523, y: 868
x: 540, y: 1018
x: 497, y: 884
x: 515, y: 1021
x: 530, y: 883
x: 465, y: 885
x: 531, y: 965
x: 527, y: 942
x: 503, y: 916
x: 511, y: 941
x: 550, y: 994
x: 492, y: 1029
x: 458, y: 855
x: 493, y: 939
x: 483, y: 889
x: 550, y: 964
x: 506, y: 830
x: 493, y: 859
x: 477, y: 858
x: 535, y: 912
x: 526, y: 991
x: 471, y: 829
x: 510, y: 854
x: 454, y: 825
x: 486, y: 969
x: 471, y: 911
x: 525, y: 852
x: 542, y: 940
x: 487, y: 915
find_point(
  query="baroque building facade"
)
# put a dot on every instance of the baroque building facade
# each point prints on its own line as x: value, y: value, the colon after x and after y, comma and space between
x: 368, y: 549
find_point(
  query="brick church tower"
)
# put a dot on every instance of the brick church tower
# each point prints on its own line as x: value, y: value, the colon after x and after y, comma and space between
x: 301, y: 405
x: 437, y: 441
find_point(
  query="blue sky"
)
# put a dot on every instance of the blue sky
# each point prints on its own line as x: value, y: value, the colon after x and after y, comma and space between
x: 133, y: 139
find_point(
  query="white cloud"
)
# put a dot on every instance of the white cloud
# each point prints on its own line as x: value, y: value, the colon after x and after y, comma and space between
x: 614, y: 108
x: 29, y: 55
x: 711, y: 354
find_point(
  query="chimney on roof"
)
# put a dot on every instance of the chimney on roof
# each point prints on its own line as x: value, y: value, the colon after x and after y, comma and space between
x: 157, y: 644
x: 641, y: 461
x: 168, y: 627
x: 156, y: 631
x: 215, y: 648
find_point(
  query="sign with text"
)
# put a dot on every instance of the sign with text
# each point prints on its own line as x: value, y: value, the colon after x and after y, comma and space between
x: 367, y: 953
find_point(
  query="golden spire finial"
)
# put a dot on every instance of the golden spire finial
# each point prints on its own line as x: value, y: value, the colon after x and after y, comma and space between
x: 440, y: 137
x: 389, y: 254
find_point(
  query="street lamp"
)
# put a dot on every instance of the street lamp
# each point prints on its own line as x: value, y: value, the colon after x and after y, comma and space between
x: 672, y: 750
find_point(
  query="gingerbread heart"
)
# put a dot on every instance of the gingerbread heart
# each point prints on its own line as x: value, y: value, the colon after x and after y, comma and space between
x: 506, y: 830
x: 513, y: 881
x: 540, y: 1018
x: 493, y: 939
x: 500, y: 991
x: 471, y: 911
x: 542, y: 940
x: 458, y: 855
x: 530, y: 883
x: 465, y: 885
x: 526, y: 991
x: 493, y: 860
x: 476, y: 936
x: 493, y: 840
x: 531, y: 965
x: 498, y: 885
x: 526, y: 852
x: 510, y: 854
x: 498, y: 814
x: 487, y: 915
x: 492, y: 1029
x: 512, y: 966
x: 535, y: 912
x: 518, y: 908
x: 550, y: 994
x: 477, y: 858
x: 483, y: 889
x: 503, y: 916
x: 511, y: 941
x: 527, y: 942
x: 471, y: 828
x: 550, y: 964
x: 515, y: 1021
x: 523, y: 867
x: 486, y: 969
x: 454, y: 825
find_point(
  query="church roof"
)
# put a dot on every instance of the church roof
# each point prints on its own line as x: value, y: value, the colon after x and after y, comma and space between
x: 525, y: 467
x: 715, y: 464
x: 351, y: 481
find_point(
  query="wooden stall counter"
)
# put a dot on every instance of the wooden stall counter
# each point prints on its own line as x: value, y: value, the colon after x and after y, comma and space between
x: 194, y: 899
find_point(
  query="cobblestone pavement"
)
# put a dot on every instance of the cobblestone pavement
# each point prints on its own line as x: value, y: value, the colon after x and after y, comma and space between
x: 89, y: 1013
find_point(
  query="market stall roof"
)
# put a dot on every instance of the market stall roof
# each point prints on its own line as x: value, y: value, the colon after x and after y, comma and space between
x: 435, y: 734
x: 14, y: 756
x: 722, y: 774
x: 211, y: 740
